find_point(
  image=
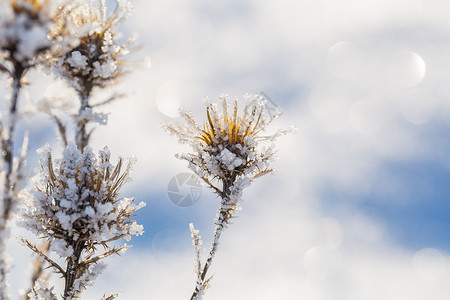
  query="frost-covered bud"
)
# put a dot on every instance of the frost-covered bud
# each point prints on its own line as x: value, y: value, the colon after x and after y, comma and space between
x: 77, y: 208
x: 97, y: 60
x: 230, y: 145
x: 30, y: 28
x: 78, y: 200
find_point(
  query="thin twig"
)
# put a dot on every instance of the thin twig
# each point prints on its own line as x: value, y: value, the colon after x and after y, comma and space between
x: 209, y: 183
x: 4, y: 69
x: 61, y: 129
x: 45, y: 257
x: 38, y: 270
x: 110, y: 99
x: 95, y: 259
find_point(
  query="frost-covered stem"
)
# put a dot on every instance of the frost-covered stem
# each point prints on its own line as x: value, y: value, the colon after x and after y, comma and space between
x: 223, y: 217
x: 8, y: 145
x: 73, y: 264
x: 81, y: 135
x: 7, y: 153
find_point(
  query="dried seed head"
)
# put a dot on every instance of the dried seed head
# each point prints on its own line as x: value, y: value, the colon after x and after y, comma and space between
x: 78, y: 200
x: 31, y: 30
x: 97, y: 60
x: 230, y: 144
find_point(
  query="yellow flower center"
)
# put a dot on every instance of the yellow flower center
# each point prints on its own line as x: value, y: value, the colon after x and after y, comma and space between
x: 228, y: 130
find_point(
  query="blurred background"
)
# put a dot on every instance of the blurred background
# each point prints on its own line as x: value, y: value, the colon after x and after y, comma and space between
x: 358, y: 208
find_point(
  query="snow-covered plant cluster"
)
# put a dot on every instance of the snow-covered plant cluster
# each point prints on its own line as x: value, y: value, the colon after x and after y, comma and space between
x: 228, y: 152
x: 77, y: 208
x: 74, y: 205
x: 30, y: 29
x: 31, y: 32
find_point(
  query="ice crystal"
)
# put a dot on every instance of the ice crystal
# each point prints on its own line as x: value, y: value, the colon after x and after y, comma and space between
x: 41, y: 291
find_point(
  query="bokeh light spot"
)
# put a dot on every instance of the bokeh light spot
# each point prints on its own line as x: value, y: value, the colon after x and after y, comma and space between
x: 333, y: 232
x: 368, y: 116
x: 168, y: 98
x: 321, y: 262
x: 429, y: 264
x: 417, y: 106
x: 406, y: 69
x: 345, y: 60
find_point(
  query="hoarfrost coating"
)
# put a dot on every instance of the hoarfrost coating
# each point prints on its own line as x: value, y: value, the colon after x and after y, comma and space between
x: 77, y: 207
x: 30, y: 28
x: 23, y: 34
x: 97, y: 60
x: 41, y: 291
x: 79, y: 199
x: 230, y: 145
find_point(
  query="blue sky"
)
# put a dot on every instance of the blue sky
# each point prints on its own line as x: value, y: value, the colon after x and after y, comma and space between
x: 359, y: 207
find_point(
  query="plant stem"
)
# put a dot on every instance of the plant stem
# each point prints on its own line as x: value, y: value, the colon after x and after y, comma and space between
x: 224, y: 216
x: 7, y: 154
x: 81, y: 136
x: 8, y: 145
x: 81, y: 140
x: 72, y: 270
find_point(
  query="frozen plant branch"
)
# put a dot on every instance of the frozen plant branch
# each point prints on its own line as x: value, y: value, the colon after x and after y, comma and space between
x: 197, y: 242
x: 76, y: 206
x: 229, y: 150
x: 38, y: 269
x: 43, y: 254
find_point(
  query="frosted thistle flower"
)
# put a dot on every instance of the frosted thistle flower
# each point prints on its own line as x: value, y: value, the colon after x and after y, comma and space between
x: 230, y: 147
x: 77, y: 208
x: 97, y: 60
x: 229, y: 151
